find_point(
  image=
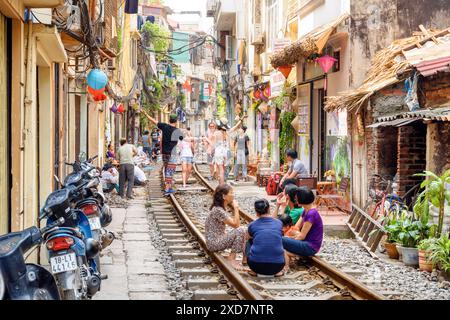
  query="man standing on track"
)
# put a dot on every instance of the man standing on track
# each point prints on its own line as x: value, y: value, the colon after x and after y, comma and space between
x: 169, y: 140
x: 125, y: 156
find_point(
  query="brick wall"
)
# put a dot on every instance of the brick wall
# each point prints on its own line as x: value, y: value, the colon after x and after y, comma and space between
x: 411, y: 155
x: 440, y: 147
x: 436, y: 91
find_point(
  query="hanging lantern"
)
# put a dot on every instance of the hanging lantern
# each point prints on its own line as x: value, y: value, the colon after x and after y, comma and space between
x: 94, y: 92
x: 267, y: 93
x: 114, y: 108
x: 285, y: 70
x: 120, y: 109
x: 97, y: 79
x: 187, y: 86
x: 326, y: 62
x: 100, y: 97
x: 257, y: 94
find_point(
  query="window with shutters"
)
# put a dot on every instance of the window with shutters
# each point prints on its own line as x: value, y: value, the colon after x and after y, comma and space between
x: 272, y: 21
x: 134, y: 53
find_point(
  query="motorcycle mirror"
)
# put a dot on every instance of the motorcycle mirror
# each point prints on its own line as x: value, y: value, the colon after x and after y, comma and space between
x: 57, y: 180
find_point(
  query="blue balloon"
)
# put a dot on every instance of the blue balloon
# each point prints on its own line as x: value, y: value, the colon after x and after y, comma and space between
x: 97, y: 79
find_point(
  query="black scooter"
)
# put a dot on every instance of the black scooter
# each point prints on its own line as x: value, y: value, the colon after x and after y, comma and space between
x: 20, y: 280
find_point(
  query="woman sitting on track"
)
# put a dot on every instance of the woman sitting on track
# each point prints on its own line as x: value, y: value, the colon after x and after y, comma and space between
x: 264, y: 250
x: 308, y: 242
x: 217, y: 239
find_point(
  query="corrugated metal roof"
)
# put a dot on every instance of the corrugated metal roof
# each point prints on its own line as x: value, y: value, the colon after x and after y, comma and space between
x: 404, y: 118
x: 428, y: 68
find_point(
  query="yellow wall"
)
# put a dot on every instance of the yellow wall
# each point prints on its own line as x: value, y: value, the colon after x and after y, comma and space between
x: 4, y: 157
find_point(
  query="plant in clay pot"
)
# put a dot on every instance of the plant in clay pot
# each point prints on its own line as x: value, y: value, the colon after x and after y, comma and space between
x: 393, y: 229
x: 425, y: 262
x: 440, y: 254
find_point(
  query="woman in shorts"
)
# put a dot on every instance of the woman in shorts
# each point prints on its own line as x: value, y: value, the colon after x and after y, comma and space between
x: 186, y: 146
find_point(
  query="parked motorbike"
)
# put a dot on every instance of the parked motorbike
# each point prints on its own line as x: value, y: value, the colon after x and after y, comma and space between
x: 88, y: 171
x: 25, y: 281
x: 87, y: 201
x: 72, y: 251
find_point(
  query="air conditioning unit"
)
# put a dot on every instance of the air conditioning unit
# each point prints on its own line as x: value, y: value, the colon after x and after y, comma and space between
x: 229, y: 48
x: 111, y: 64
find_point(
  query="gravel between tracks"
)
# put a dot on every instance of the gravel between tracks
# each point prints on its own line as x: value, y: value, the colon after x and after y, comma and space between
x: 395, y: 280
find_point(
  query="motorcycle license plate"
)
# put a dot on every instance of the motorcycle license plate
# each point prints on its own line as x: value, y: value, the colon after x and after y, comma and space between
x: 95, y: 223
x: 63, y: 263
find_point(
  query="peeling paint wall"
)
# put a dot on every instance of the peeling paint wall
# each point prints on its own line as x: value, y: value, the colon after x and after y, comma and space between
x: 377, y: 23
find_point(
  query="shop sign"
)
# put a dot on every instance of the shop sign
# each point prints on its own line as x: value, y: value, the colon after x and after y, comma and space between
x: 276, y: 83
x: 280, y: 44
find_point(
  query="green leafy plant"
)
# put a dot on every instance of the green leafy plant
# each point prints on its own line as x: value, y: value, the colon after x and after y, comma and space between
x: 441, y: 253
x: 287, y: 133
x: 158, y: 36
x: 426, y: 244
x: 436, y: 193
x: 119, y: 39
x: 341, y: 161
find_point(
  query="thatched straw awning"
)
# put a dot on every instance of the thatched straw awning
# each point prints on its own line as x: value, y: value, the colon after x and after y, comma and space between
x: 313, y: 42
x: 389, y: 66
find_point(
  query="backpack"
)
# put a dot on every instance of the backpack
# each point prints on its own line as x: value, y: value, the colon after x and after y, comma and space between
x: 272, y: 184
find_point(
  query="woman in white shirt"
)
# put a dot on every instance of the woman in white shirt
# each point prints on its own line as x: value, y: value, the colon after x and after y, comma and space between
x: 109, y: 178
x: 186, y: 147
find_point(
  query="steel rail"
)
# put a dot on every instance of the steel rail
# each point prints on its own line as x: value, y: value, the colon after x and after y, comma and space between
x: 358, y: 290
x: 242, y: 286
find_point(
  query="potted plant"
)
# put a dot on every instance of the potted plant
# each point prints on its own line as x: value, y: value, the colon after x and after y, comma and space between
x: 440, y: 254
x: 393, y: 229
x: 425, y: 262
x: 409, y: 238
x: 436, y: 192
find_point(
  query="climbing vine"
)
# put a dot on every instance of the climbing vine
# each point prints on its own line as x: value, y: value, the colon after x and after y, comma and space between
x: 287, y: 133
x: 158, y: 36
x: 341, y: 161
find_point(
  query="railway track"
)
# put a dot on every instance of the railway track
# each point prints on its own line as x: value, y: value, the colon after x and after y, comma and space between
x: 210, y: 277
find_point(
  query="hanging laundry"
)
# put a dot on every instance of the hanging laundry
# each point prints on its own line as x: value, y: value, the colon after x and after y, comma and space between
x: 412, y: 100
x: 131, y: 6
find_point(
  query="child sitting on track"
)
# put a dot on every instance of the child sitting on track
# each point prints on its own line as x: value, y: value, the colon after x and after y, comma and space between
x: 264, y: 250
x: 289, y: 229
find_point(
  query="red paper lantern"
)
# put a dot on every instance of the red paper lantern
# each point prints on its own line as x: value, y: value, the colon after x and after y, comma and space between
x: 100, y: 97
x: 94, y: 92
x: 257, y: 94
x: 187, y: 86
x: 285, y: 70
x: 120, y: 109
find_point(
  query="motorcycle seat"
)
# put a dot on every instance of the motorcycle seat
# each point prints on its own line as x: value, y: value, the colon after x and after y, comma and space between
x: 59, y: 231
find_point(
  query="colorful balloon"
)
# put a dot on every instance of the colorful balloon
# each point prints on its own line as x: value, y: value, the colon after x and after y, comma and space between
x: 120, y: 109
x: 97, y: 79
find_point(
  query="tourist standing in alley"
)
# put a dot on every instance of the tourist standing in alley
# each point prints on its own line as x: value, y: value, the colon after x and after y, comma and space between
x: 169, y: 140
x: 209, y: 140
x: 187, y: 147
x: 146, y: 143
x: 241, y: 146
x: 222, y: 147
x: 125, y: 156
